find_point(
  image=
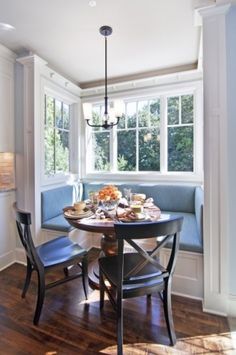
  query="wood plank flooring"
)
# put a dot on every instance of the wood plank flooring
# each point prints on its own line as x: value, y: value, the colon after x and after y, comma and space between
x: 69, y: 326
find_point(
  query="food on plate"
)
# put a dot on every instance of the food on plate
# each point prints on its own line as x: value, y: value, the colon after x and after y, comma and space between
x: 129, y: 215
x: 138, y: 197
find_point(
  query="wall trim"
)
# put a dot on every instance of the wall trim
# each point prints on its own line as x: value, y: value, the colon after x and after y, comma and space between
x: 140, y: 76
x: 20, y: 256
x: 232, y: 306
x: 7, y: 259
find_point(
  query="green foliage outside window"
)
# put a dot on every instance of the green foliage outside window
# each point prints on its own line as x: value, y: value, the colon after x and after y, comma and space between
x: 56, y: 136
x: 139, y: 140
x: 180, y: 133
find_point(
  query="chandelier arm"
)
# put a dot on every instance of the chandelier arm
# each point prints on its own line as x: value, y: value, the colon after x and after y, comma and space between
x: 105, y: 124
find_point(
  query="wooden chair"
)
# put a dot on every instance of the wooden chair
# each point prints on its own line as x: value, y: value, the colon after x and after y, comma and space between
x: 60, y: 252
x: 140, y: 273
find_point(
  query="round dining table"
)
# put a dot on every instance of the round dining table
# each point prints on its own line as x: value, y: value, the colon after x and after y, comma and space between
x: 109, y: 244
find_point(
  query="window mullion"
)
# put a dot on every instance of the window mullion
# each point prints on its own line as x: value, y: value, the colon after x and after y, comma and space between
x: 163, y: 135
x: 54, y: 138
x: 137, y: 138
x: 113, y: 149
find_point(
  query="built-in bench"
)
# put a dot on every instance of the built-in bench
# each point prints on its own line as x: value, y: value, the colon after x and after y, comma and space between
x: 184, y: 200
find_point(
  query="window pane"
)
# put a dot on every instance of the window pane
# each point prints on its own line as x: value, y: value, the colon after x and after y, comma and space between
x: 155, y: 112
x: 62, y: 151
x: 131, y: 114
x: 187, y: 108
x: 58, y: 113
x: 96, y: 117
x: 49, y: 121
x: 66, y: 116
x: 173, y: 110
x: 143, y: 113
x: 180, y: 149
x: 126, y: 151
x: 149, y: 149
x: 101, y: 150
x: 49, y: 151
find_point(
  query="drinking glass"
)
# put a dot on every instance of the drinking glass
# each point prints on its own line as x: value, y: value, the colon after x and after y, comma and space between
x: 127, y: 195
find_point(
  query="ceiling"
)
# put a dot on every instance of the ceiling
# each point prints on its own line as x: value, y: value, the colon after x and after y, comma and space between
x: 148, y: 35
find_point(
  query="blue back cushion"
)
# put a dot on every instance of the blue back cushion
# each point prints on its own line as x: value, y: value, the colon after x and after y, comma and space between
x: 174, y: 198
x: 53, y: 201
x: 91, y: 187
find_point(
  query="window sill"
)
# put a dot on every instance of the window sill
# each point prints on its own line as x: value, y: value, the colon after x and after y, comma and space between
x: 145, y: 177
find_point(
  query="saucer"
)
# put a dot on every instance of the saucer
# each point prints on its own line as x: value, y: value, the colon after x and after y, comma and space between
x: 73, y: 214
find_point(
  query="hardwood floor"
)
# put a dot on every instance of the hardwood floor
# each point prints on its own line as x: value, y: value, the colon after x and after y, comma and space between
x: 68, y: 325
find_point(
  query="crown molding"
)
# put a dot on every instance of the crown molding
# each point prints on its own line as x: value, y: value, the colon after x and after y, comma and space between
x: 140, y: 76
x: 7, y: 54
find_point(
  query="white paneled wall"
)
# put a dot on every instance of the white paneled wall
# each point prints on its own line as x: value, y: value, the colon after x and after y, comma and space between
x: 7, y: 226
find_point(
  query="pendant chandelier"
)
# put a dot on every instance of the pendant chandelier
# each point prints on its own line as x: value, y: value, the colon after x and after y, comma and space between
x: 111, y: 117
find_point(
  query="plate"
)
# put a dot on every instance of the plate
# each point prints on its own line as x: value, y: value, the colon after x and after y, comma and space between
x: 129, y: 220
x: 73, y: 214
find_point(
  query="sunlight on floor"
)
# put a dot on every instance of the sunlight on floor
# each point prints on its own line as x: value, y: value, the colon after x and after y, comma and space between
x: 207, y: 344
x: 93, y: 297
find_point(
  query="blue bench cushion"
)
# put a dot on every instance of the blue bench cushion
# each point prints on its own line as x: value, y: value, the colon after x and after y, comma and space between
x: 189, y: 237
x: 58, y: 223
x: 53, y: 201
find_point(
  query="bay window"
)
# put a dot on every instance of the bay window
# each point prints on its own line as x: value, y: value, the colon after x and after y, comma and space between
x: 157, y: 134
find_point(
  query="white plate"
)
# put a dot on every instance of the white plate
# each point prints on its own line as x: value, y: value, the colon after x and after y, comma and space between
x: 72, y: 214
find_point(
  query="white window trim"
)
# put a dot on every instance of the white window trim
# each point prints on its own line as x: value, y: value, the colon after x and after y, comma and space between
x: 56, y: 91
x: 163, y: 176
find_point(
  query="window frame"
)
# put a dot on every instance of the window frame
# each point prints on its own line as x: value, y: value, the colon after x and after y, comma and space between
x: 58, y: 93
x: 193, y: 87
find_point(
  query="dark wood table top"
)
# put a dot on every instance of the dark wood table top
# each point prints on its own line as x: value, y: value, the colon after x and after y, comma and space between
x: 106, y: 225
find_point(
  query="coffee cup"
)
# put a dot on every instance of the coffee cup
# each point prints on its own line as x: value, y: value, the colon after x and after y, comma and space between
x: 79, y: 206
x: 136, y: 208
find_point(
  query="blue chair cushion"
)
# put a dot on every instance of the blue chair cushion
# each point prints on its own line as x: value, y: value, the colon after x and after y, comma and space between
x: 189, y: 237
x: 58, y: 223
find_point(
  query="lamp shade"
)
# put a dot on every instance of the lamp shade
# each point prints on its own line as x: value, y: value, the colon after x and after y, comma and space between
x: 87, y: 110
x: 119, y: 108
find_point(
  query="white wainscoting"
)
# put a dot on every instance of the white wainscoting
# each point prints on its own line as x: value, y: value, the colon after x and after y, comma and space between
x: 188, y: 276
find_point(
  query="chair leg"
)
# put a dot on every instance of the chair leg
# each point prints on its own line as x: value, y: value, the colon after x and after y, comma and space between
x: 168, y: 312
x: 27, y: 278
x: 101, y: 288
x: 85, y: 276
x: 119, y: 326
x: 40, y: 299
x: 66, y: 271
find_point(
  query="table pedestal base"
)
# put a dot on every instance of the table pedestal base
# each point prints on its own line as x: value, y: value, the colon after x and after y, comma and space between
x: 109, y: 246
